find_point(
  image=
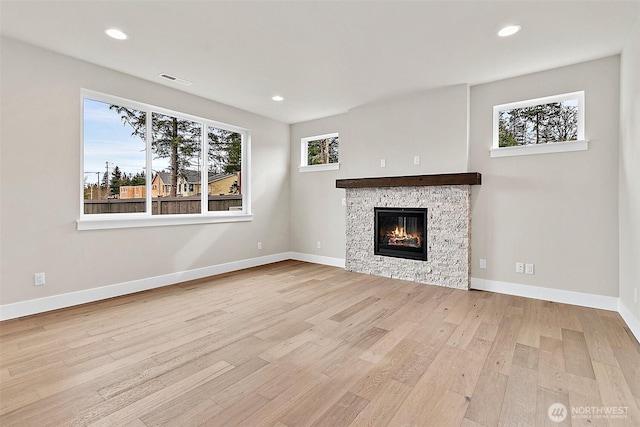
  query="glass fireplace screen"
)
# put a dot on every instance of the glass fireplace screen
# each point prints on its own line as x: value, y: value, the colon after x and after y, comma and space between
x: 401, y: 232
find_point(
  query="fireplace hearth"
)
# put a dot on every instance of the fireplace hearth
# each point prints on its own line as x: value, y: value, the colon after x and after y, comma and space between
x: 401, y: 232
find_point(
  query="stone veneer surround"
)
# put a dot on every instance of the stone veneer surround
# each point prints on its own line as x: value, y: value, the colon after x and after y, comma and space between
x: 448, y: 233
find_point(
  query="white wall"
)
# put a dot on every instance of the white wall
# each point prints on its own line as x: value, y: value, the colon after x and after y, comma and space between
x: 40, y: 175
x: 557, y: 211
x: 317, y: 213
x: 431, y: 124
x: 630, y: 174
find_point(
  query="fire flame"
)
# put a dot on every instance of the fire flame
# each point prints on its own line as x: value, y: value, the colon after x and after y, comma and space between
x: 400, y: 237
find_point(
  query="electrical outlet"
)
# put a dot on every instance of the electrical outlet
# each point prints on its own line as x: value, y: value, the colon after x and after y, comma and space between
x: 259, y: 245
x: 416, y: 160
x: 38, y: 279
x: 528, y: 269
x: 383, y: 163
x: 483, y: 263
x: 344, y: 202
x: 519, y: 267
x: 318, y: 244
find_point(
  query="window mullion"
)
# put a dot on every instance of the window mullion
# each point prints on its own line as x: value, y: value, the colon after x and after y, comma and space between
x: 204, y: 174
x: 148, y: 162
x: 245, y: 171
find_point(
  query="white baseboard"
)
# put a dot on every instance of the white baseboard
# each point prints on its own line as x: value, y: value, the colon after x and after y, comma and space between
x: 630, y: 319
x: 317, y: 259
x: 41, y: 305
x: 558, y: 295
x: 547, y: 294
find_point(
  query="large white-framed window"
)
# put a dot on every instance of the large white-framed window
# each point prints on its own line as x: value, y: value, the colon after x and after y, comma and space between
x: 319, y: 152
x: 542, y: 125
x: 145, y: 165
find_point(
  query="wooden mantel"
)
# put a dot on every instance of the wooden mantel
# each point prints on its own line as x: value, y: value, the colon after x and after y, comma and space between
x: 465, y: 178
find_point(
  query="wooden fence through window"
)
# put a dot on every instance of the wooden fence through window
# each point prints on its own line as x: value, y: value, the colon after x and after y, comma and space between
x: 162, y: 205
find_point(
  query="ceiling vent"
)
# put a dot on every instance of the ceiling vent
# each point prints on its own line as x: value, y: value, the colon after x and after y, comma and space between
x: 175, y: 79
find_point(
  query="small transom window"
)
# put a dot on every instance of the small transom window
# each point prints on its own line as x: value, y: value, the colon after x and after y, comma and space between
x: 319, y: 152
x: 541, y: 125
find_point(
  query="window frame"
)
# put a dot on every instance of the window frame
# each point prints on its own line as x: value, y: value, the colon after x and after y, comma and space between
x: 304, y: 154
x: 580, y: 144
x: 147, y: 219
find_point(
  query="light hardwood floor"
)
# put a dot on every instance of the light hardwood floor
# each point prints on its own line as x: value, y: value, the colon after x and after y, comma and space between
x: 293, y: 344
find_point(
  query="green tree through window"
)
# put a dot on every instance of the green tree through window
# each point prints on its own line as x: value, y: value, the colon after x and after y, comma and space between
x: 322, y: 151
x: 538, y: 124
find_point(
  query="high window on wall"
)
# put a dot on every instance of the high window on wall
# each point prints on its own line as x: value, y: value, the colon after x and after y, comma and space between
x: 541, y: 125
x: 144, y: 165
x: 319, y: 152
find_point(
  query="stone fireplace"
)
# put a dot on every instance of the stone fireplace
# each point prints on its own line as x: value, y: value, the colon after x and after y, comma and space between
x: 446, y: 201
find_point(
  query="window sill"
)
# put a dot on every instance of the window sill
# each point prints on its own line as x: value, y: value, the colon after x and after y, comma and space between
x: 555, y: 147
x: 318, y: 168
x: 103, y: 222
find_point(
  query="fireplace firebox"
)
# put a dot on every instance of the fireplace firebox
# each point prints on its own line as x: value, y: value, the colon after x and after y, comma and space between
x: 401, y: 232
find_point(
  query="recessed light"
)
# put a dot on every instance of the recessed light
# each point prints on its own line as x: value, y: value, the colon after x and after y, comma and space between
x: 116, y: 34
x: 277, y: 98
x: 509, y: 30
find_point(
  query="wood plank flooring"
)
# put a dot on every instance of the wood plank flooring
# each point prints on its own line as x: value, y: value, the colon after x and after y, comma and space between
x: 298, y: 344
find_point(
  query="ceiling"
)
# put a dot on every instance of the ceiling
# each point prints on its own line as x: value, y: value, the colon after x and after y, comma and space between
x: 323, y: 57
